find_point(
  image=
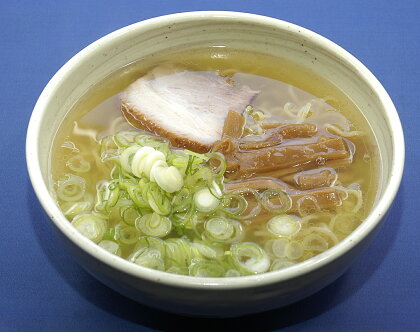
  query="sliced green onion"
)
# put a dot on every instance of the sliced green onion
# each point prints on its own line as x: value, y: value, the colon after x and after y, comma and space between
x: 110, y: 246
x: 294, y: 250
x: 71, y: 209
x: 158, y: 143
x: 234, y: 204
x: 100, y: 215
x: 280, y: 263
x: 324, y: 230
x: 182, y: 200
x: 284, y: 225
x: 90, y: 226
x: 168, y: 178
x: 72, y: 188
x: 307, y: 204
x: 205, y: 201
x: 232, y: 273
x: 178, y: 270
x: 279, y: 247
x: 156, y: 167
x: 157, y: 200
x: 113, y: 196
x: 307, y: 255
x: 111, y: 234
x: 151, y: 242
x: 107, y: 195
x: 156, y: 192
x: 178, y: 252
x: 178, y: 160
x: 144, y: 159
x: 116, y: 172
x: 197, y: 225
x: 181, y: 160
x: 270, y: 199
x: 108, y: 149
x: 219, y: 228
x: 207, y: 251
x: 353, y: 205
x: 203, y: 157
x: 147, y: 257
x: 143, y: 184
x: 314, y: 242
x: 206, y: 269
x: 183, y: 219
x: 128, y: 235
x: 189, y: 167
x: 129, y: 214
x: 78, y: 164
x: 201, y: 177
x: 125, y: 138
x: 345, y: 222
x: 127, y: 156
x: 154, y: 225
x: 253, y: 202
x: 239, y: 232
x: 136, y: 196
x: 218, y: 163
x: 317, y: 217
x: 144, y: 139
x: 216, y: 189
x: 250, y: 257
x: 102, y: 195
x: 185, y: 243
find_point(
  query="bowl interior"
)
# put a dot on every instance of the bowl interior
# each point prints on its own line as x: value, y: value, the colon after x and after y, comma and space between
x: 239, y: 31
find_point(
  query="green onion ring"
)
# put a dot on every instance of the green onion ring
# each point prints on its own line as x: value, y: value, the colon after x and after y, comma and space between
x: 285, y: 200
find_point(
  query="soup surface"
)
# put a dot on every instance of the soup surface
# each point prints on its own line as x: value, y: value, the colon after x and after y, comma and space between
x: 291, y: 174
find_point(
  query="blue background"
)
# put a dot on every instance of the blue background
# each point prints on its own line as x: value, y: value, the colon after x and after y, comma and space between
x: 43, y: 289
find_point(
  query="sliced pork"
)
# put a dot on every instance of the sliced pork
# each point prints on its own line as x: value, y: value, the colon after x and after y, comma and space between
x: 187, y: 107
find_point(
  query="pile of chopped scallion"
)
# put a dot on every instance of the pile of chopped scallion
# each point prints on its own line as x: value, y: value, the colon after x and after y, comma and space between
x: 165, y: 208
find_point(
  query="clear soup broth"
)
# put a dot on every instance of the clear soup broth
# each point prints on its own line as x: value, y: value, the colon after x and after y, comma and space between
x: 299, y: 177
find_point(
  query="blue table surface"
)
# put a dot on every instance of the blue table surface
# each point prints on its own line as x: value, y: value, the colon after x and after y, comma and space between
x: 42, y: 288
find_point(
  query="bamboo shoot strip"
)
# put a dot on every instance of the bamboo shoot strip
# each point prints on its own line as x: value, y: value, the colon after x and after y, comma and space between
x: 270, y: 141
x: 234, y: 125
x: 290, y: 131
x: 260, y: 183
x: 324, y: 177
x: 323, y: 199
x: 291, y: 157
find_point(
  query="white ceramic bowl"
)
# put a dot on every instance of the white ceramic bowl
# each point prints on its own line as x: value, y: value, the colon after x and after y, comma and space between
x: 215, y: 296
